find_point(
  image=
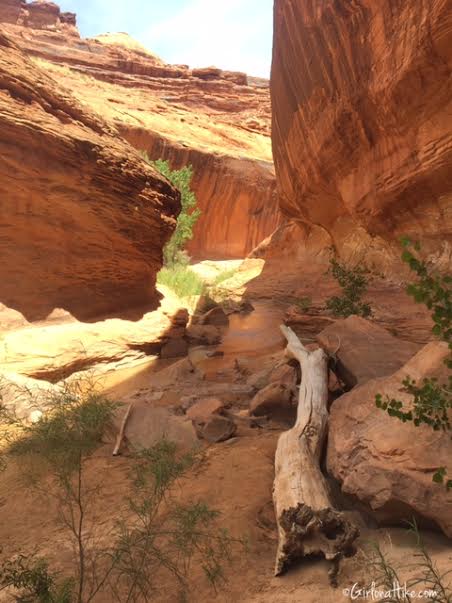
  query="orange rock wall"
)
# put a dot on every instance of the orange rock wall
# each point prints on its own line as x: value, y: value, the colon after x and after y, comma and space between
x: 10, y: 10
x: 83, y: 219
x: 218, y: 121
x: 236, y: 196
x: 362, y: 119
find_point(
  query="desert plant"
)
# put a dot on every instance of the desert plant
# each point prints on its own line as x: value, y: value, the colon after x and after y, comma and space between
x: 388, y: 586
x: 432, y: 400
x: 31, y: 579
x: 354, y: 283
x: 182, y: 280
x: 156, y: 534
x: 60, y: 443
x: 165, y: 535
x: 173, y: 252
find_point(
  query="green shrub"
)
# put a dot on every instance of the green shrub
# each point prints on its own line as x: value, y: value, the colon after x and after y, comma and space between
x: 60, y: 444
x: 166, y: 535
x: 30, y: 576
x: 432, y: 400
x: 354, y: 283
x: 157, y: 533
x: 173, y: 252
x: 182, y: 280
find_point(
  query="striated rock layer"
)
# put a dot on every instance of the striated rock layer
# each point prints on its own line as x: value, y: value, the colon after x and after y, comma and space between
x: 217, y: 120
x: 362, y: 128
x: 83, y: 219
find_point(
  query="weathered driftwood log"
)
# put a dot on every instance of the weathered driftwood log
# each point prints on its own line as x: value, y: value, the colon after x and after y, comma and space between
x: 307, y: 522
x: 122, y: 429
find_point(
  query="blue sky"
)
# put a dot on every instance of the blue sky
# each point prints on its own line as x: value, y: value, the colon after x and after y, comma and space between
x: 231, y: 34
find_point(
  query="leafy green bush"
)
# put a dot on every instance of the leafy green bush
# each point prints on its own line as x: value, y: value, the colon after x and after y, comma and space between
x: 60, y: 443
x: 173, y: 252
x: 432, y: 400
x: 182, y: 280
x: 354, y: 283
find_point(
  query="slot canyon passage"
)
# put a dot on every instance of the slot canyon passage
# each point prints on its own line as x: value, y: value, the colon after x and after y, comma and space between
x: 292, y: 346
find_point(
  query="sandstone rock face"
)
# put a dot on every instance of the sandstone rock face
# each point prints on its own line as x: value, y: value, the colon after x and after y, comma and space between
x: 10, y: 11
x: 202, y: 410
x: 274, y: 400
x: 384, y: 462
x: 362, y: 134
x: 236, y: 196
x: 216, y: 120
x: 83, y: 218
x: 218, y: 429
x: 55, y: 349
x: 364, y: 350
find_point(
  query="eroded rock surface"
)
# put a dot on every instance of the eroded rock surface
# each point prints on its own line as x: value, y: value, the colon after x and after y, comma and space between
x: 83, y: 218
x: 362, y: 135
x: 386, y: 463
x: 362, y: 350
x: 218, y: 121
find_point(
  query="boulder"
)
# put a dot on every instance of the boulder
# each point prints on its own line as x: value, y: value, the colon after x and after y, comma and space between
x: 174, y: 348
x: 286, y: 375
x: 203, y: 335
x: 364, y: 350
x: 84, y: 218
x: 260, y: 379
x: 218, y: 429
x: 386, y: 463
x: 216, y: 316
x: 307, y: 324
x: 148, y: 425
x: 275, y: 400
x: 201, y: 411
x: 283, y: 373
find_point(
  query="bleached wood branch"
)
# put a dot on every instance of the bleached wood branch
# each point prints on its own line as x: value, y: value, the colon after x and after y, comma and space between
x: 307, y: 521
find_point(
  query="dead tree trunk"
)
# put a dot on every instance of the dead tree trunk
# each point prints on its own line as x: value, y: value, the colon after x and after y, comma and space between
x: 307, y: 522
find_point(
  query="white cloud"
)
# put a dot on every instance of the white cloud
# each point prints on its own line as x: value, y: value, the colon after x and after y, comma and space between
x: 231, y: 34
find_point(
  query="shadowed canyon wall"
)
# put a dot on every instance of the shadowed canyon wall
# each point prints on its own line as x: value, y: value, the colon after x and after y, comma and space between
x: 218, y: 121
x: 362, y: 128
x: 236, y: 196
x: 83, y: 218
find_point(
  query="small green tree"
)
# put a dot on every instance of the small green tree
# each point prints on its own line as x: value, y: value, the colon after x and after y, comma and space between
x: 432, y: 400
x: 173, y: 252
x: 354, y: 283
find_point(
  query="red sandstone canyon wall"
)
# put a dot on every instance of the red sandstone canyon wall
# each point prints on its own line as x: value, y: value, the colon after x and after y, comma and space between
x: 362, y: 121
x: 83, y: 219
x: 219, y: 121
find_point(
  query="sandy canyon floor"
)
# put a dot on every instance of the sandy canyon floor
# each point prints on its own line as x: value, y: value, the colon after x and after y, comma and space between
x: 235, y: 477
